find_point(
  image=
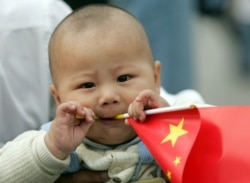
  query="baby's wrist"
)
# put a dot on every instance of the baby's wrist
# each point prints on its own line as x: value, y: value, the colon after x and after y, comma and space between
x: 53, y: 148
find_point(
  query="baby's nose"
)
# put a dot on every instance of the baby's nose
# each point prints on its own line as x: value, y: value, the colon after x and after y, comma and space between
x: 109, y: 96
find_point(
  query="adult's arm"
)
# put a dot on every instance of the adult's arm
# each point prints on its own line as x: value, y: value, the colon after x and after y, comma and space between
x: 83, y: 176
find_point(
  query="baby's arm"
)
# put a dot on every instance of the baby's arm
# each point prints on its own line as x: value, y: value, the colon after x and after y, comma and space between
x: 147, y: 99
x: 67, y: 132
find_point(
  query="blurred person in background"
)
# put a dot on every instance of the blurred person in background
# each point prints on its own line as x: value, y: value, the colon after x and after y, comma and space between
x: 240, y: 16
x: 212, y: 7
x: 25, y: 29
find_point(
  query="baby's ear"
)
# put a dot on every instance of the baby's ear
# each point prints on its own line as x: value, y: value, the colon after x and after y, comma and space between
x: 55, y: 94
x: 157, y: 76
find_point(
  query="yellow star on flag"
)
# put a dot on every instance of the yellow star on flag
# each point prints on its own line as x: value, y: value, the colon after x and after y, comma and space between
x: 175, y: 133
x: 177, y: 160
x: 169, y: 175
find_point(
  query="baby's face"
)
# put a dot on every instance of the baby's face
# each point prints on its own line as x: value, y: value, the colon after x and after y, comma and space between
x: 105, y: 72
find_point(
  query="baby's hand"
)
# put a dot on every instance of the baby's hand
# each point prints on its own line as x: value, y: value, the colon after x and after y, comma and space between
x: 147, y: 99
x: 67, y: 132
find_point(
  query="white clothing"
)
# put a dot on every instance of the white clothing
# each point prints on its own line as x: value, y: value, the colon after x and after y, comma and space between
x: 119, y: 163
x: 27, y: 160
x: 25, y: 29
x: 188, y: 96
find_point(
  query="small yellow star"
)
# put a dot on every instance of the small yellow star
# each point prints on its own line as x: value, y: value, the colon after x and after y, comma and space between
x: 177, y: 160
x: 175, y: 133
x: 169, y: 175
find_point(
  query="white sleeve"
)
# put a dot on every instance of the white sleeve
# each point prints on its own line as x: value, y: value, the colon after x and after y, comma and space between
x: 27, y: 159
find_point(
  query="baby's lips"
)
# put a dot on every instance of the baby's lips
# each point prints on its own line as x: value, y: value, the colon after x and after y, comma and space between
x: 119, y: 116
x: 78, y: 116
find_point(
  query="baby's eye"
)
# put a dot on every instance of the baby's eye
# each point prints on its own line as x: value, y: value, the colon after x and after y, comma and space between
x: 123, y: 78
x: 87, y: 85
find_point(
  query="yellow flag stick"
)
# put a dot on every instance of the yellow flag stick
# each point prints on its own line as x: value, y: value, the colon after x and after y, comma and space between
x: 151, y: 111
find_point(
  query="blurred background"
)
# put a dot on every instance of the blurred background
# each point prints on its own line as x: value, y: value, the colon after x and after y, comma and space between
x: 220, y: 78
x: 222, y: 54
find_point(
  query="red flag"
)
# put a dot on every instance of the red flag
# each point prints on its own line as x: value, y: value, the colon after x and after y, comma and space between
x: 208, y: 144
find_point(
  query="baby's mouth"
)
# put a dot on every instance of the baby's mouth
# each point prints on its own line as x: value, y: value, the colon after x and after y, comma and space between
x: 110, y: 120
x: 118, y: 116
x: 114, y: 117
x: 106, y: 118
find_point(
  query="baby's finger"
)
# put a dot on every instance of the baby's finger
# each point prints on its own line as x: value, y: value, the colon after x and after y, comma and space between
x: 89, y: 115
x: 151, y: 100
x: 126, y: 122
x: 66, y: 108
x: 136, y: 111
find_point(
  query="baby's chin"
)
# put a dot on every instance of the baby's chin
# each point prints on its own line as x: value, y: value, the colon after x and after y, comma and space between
x: 116, y: 142
x: 111, y: 136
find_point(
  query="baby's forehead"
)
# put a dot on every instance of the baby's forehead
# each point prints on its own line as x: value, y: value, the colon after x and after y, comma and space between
x: 99, y: 32
x: 93, y: 20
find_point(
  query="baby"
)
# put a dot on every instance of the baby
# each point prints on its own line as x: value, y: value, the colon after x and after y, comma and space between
x: 102, y: 65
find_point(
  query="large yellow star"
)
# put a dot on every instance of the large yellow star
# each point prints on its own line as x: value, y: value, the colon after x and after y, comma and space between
x: 175, y: 133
